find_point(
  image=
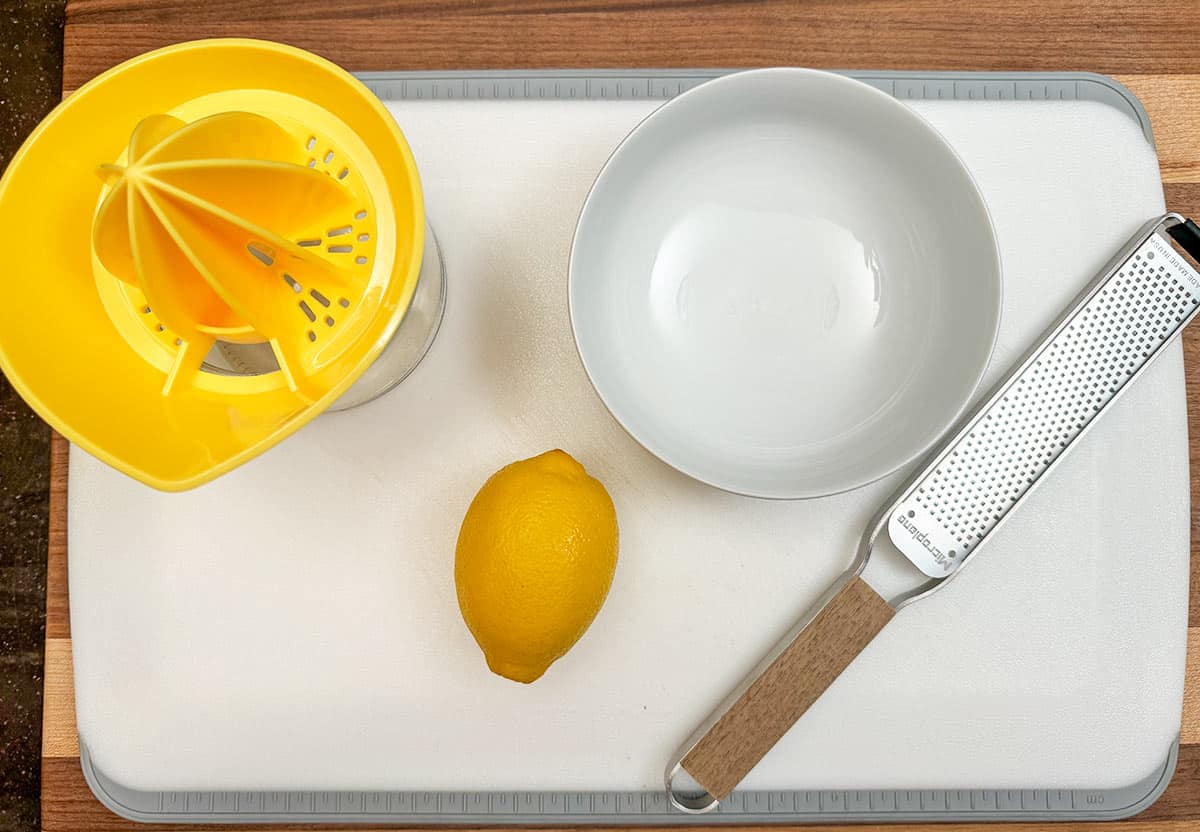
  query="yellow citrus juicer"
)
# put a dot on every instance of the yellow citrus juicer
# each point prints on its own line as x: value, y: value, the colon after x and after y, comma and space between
x: 207, y: 197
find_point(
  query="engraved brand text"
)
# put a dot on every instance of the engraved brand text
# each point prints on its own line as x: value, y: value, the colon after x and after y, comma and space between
x: 921, y: 537
x: 1185, y: 270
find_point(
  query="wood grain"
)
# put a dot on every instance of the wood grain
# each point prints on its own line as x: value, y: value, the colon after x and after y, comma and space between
x: 807, y: 665
x: 1173, y: 104
x: 1110, y: 36
x: 1153, y: 53
x: 58, y: 618
x: 59, y: 737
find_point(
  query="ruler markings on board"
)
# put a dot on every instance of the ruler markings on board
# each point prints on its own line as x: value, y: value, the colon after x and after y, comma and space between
x: 663, y: 85
x: 575, y: 804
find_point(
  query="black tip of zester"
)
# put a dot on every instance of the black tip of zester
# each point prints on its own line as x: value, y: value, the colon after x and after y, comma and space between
x: 1187, y: 234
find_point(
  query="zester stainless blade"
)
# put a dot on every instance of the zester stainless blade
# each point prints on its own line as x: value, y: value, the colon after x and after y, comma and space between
x: 1116, y: 327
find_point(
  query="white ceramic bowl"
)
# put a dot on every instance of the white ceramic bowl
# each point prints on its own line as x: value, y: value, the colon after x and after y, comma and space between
x: 785, y: 283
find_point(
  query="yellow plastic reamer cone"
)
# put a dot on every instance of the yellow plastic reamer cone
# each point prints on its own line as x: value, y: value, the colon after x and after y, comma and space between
x: 204, y: 196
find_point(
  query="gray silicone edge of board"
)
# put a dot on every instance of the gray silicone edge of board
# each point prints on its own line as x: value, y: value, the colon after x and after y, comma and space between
x: 664, y: 84
x: 625, y: 808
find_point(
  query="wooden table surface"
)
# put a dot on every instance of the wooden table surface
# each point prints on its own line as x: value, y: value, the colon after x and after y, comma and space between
x: 1154, y: 50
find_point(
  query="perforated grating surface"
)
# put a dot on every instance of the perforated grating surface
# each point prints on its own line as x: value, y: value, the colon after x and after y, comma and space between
x: 1053, y: 400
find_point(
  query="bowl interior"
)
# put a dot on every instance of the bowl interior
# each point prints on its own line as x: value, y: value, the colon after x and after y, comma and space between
x: 785, y: 283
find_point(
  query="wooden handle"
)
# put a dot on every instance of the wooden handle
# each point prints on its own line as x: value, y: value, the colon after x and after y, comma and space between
x: 806, y: 665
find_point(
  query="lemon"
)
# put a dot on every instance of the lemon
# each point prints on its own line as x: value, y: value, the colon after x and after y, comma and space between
x: 535, y: 558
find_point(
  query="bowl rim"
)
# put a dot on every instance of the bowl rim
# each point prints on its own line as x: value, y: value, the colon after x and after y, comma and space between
x: 793, y: 75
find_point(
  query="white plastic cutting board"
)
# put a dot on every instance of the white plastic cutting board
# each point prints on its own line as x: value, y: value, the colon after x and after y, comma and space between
x: 294, y: 624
